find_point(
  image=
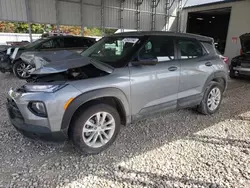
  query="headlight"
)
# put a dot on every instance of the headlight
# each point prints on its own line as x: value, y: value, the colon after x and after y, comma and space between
x: 38, y: 108
x: 42, y: 88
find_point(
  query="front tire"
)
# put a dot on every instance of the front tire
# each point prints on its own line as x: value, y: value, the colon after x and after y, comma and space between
x: 95, y: 128
x: 21, y: 69
x: 212, y: 99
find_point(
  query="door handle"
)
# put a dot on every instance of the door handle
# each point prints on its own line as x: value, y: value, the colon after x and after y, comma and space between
x: 208, y: 64
x: 172, y: 68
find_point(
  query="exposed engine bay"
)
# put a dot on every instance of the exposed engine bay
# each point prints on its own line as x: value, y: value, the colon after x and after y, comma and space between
x: 63, y: 66
x: 85, y: 72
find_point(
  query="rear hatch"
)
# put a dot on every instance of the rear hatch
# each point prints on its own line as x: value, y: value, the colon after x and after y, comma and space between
x: 244, y: 59
x: 245, y: 43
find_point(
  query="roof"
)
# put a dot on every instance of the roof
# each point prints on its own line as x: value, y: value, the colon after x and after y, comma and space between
x: 67, y: 36
x: 212, y: 2
x: 164, y: 33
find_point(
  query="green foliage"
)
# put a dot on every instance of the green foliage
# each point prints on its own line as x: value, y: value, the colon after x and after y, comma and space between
x: 94, y: 31
x: 19, y: 27
x: 110, y: 31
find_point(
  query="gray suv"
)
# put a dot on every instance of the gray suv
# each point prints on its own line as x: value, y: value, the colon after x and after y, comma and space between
x: 120, y: 79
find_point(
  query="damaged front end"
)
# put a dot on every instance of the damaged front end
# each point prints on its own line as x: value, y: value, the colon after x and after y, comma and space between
x: 63, y: 66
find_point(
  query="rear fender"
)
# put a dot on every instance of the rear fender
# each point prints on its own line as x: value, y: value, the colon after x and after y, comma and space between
x: 213, y: 77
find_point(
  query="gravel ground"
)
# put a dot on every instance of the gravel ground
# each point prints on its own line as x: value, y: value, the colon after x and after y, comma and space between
x: 179, y: 149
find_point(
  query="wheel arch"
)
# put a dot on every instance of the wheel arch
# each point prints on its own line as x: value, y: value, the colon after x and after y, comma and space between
x: 219, y: 77
x: 15, y: 60
x: 110, y: 96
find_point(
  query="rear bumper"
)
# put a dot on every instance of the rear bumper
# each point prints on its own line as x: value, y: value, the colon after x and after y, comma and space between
x: 32, y: 131
x: 242, y: 70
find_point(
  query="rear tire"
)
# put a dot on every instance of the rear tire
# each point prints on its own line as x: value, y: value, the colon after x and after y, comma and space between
x: 19, y: 69
x: 212, y: 99
x: 88, y: 131
x: 232, y: 73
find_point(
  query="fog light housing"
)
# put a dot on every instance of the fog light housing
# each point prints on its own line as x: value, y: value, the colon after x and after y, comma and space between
x: 38, y: 108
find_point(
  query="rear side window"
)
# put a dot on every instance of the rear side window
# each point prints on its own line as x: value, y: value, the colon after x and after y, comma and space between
x: 210, y: 48
x: 78, y: 42
x: 189, y: 49
x: 82, y: 42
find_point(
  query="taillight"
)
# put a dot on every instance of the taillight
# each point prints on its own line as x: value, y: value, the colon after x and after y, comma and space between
x: 226, y: 60
x: 241, y: 51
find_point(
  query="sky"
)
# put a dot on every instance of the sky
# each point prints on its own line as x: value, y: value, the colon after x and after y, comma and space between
x: 198, y: 2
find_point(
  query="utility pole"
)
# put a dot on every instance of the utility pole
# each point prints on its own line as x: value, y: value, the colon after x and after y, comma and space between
x: 27, y: 6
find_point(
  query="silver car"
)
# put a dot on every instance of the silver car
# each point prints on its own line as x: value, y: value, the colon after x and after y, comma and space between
x: 120, y: 79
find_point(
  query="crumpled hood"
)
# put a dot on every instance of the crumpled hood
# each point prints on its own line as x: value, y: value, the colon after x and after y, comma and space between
x: 60, y: 61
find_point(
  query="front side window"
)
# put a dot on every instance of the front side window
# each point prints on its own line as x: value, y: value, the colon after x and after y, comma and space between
x: 69, y: 42
x: 59, y: 43
x: 47, y: 45
x: 189, y: 49
x: 158, y: 47
x: 113, y: 50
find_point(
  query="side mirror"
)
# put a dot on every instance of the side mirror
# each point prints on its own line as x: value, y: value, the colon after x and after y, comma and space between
x: 145, y: 62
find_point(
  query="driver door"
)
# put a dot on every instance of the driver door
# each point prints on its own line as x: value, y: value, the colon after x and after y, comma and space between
x: 154, y: 88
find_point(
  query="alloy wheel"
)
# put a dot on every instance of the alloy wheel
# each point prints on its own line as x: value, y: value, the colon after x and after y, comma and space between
x: 23, y: 70
x: 98, y: 129
x: 214, y: 98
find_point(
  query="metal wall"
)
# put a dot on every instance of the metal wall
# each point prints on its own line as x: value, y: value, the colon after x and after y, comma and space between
x: 98, y: 13
x: 239, y: 23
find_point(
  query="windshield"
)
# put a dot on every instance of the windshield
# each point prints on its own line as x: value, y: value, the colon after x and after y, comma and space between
x: 113, y: 50
x: 35, y: 43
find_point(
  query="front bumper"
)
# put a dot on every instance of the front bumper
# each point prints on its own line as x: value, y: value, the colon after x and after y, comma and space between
x: 31, y: 131
x: 31, y: 125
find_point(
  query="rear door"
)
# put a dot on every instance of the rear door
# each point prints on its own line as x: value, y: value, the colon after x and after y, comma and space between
x: 196, y: 66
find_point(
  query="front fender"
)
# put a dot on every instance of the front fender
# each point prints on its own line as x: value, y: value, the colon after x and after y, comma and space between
x: 92, y: 95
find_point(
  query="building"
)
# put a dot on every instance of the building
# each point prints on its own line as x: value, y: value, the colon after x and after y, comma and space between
x: 225, y: 21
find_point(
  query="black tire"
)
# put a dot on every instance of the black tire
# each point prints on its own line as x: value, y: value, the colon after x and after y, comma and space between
x: 203, y: 107
x: 75, y: 132
x: 16, y: 65
x: 232, y: 73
